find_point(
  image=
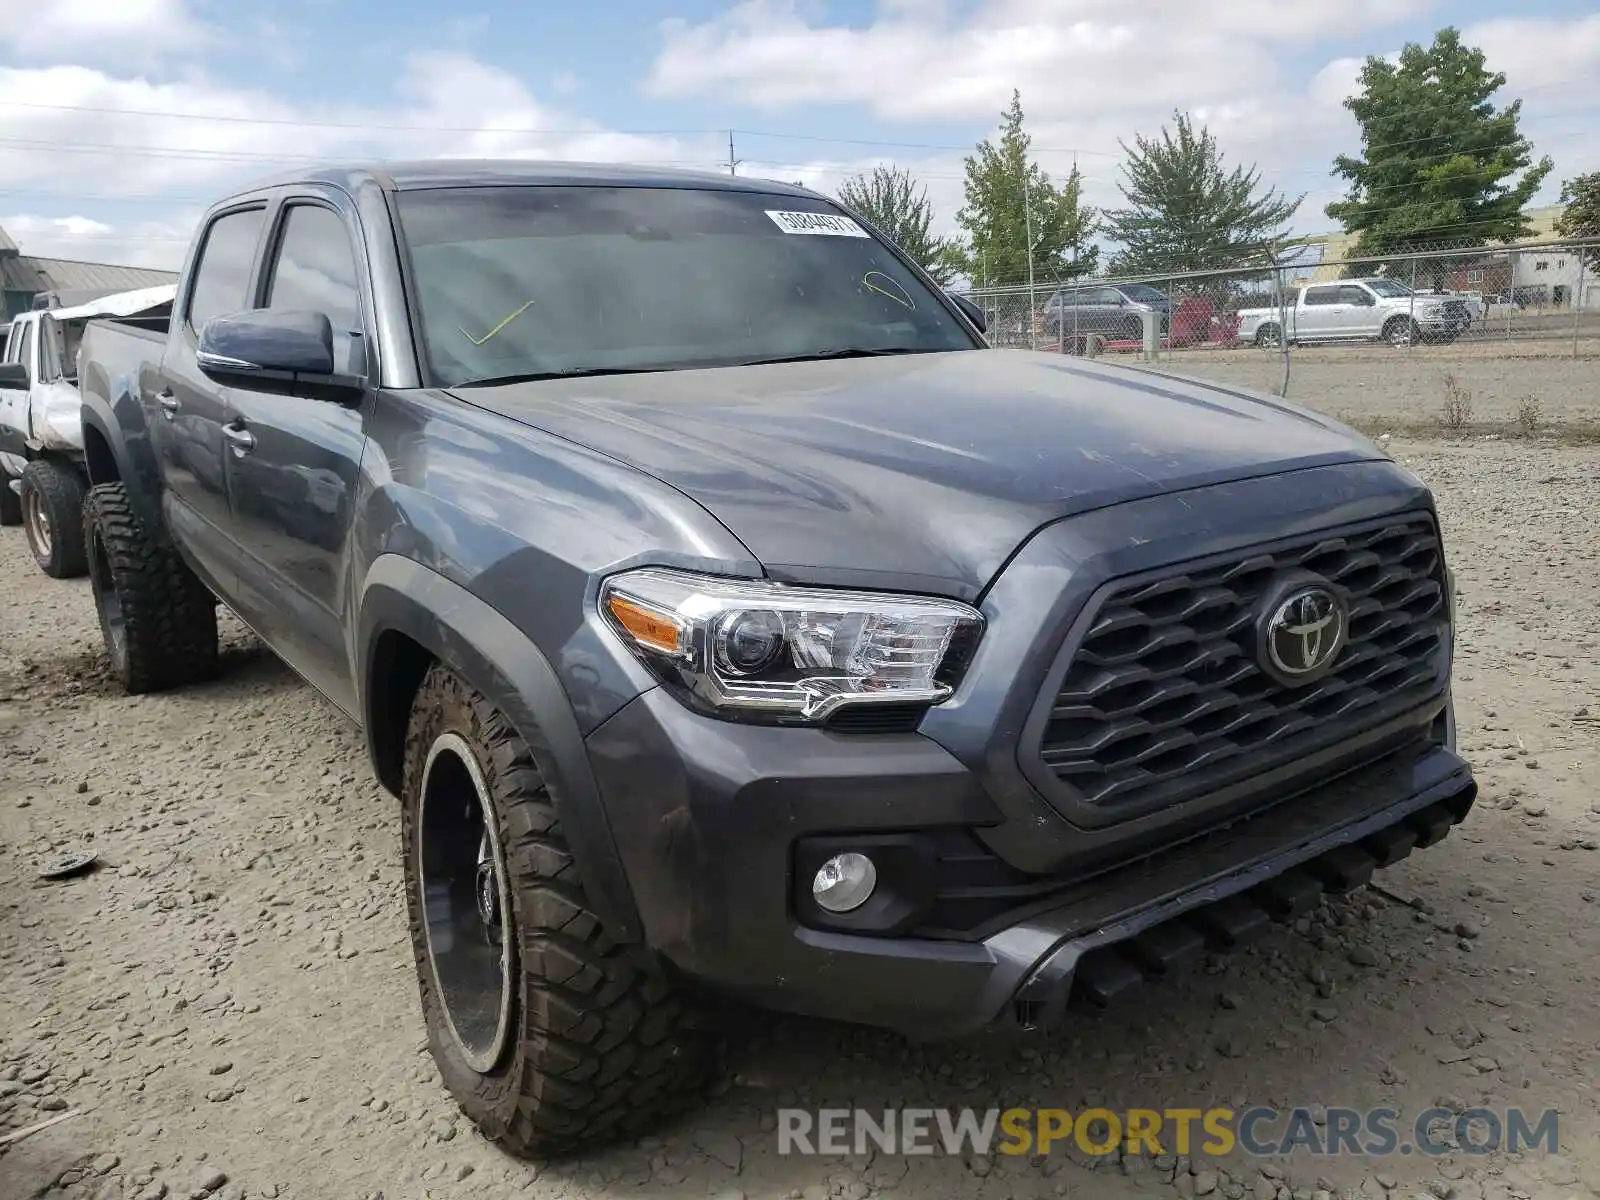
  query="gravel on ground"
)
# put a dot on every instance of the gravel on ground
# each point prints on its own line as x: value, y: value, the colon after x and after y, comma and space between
x: 226, y: 1001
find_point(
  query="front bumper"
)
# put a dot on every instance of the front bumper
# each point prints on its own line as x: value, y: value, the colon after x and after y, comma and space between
x: 1034, y: 901
x: 708, y: 815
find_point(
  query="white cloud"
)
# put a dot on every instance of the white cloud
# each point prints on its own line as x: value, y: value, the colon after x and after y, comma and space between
x: 1066, y: 56
x: 75, y: 131
x: 95, y: 29
x: 138, y: 244
x: 92, y: 137
x: 1092, y: 72
x: 1548, y: 54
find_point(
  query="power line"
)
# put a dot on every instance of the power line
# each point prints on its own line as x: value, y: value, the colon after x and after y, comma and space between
x: 368, y: 126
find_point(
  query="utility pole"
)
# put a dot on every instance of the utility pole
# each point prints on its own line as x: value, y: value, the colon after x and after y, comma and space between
x: 732, y: 161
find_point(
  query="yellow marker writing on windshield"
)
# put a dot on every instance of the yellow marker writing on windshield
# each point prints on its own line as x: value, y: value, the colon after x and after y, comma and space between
x: 497, y: 328
x: 899, y: 295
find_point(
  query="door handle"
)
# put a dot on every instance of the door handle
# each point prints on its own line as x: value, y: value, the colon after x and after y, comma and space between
x: 241, y: 440
x: 169, y: 403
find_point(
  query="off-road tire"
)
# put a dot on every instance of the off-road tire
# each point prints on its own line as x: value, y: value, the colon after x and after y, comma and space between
x: 602, y: 1046
x: 10, y: 503
x: 56, y: 491
x: 168, y: 618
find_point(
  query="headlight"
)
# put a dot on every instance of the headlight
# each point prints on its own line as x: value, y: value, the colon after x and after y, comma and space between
x: 741, y: 648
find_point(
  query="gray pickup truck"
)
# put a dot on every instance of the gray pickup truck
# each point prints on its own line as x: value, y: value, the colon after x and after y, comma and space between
x: 730, y: 621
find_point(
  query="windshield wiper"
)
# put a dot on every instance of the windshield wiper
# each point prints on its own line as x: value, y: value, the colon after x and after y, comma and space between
x: 569, y: 373
x: 841, y: 352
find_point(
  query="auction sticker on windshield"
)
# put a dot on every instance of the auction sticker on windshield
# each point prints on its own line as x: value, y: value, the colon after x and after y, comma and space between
x: 828, y: 224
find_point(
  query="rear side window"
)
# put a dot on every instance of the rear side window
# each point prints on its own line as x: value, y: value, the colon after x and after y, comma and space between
x: 223, y: 272
x: 1326, y: 295
x: 25, y: 350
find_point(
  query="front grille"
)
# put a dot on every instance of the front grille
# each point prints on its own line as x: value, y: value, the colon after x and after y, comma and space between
x: 1164, y: 699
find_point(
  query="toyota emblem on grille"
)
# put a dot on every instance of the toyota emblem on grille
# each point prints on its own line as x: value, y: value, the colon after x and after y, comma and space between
x: 1303, y: 632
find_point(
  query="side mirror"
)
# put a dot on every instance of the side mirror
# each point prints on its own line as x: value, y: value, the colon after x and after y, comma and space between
x: 972, y: 311
x: 14, y: 376
x: 269, y: 350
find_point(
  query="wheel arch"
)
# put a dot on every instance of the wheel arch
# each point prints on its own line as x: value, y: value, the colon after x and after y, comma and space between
x: 411, y: 617
x: 108, y: 459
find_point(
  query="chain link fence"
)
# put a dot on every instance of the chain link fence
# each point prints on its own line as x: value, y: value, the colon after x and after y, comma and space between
x: 1410, y: 340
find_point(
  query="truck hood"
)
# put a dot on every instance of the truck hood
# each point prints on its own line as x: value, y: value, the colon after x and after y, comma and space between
x: 925, y: 469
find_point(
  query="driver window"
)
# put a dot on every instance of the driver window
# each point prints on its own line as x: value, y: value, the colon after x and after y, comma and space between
x: 316, y: 271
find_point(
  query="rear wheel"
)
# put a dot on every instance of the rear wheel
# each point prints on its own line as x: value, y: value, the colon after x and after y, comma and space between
x: 551, y: 1036
x: 158, y: 620
x: 1267, y: 337
x: 52, y: 517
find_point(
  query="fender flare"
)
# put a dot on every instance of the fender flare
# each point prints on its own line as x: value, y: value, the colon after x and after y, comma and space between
x: 492, y: 655
x: 140, y: 484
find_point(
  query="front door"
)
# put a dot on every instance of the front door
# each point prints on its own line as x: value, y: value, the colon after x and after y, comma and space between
x: 1362, y: 318
x: 189, y: 409
x: 292, y: 463
x: 14, y: 401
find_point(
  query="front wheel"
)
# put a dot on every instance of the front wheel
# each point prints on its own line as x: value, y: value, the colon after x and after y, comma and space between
x: 52, y: 517
x: 1402, y: 331
x: 551, y: 1036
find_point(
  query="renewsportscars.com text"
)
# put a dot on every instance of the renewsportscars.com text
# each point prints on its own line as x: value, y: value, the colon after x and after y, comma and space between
x: 1374, y: 1132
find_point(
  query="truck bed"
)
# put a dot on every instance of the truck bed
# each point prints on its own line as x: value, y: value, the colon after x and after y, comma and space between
x: 116, y: 352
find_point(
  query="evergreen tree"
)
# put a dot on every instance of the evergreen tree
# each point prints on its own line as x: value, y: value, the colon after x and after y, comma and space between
x: 891, y: 199
x: 1186, y: 212
x: 998, y: 213
x: 1581, y: 216
x: 1437, y: 157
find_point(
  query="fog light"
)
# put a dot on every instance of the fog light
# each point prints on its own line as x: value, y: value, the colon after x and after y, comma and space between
x: 845, y: 882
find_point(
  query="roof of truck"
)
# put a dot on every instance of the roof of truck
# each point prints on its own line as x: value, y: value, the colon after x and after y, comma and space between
x: 514, y: 172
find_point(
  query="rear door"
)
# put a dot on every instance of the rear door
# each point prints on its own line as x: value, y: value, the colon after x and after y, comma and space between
x: 190, y: 409
x: 292, y: 461
x: 1321, y: 313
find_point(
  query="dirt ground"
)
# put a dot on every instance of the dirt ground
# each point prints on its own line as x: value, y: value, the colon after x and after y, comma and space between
x: 228, y: 1006
x: 1380, y: 387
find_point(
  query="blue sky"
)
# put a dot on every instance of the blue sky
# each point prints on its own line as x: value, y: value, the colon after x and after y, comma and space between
x: 108, y: 155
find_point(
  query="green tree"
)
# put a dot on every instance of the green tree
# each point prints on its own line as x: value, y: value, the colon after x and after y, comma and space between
x: 1186, y: 211
x: 998, y: 214
x: 1580, y: 218
x: 1438, y: 159
x: 892, y: 199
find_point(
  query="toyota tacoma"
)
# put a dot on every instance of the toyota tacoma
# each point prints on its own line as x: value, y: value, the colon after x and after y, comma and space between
x: 730, y: 621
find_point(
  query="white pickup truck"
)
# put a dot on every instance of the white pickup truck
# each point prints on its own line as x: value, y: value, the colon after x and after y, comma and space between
x: 1358, y: 310
x: 42, y: 478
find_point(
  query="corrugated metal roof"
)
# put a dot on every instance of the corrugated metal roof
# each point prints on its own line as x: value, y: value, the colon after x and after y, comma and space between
x: 7, y: 246
x: 28, y: 274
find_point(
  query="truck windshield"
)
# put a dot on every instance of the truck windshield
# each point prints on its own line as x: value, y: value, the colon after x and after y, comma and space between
x: 520, y: 281
x: 1388, y: 288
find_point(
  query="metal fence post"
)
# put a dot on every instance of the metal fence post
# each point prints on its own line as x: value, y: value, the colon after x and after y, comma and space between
x: 1577, y: 303
x: 1411, y: 334
x: 1511, y: 289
